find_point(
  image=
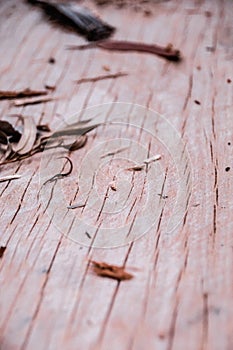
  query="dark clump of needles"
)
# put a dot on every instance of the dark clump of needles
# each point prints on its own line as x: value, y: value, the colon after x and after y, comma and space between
x: 79, y: 19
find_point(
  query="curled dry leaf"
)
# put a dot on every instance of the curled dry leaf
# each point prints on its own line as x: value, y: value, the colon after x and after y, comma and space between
x: 28, y: 138
x: 61, y: 175
x: 111, y: 271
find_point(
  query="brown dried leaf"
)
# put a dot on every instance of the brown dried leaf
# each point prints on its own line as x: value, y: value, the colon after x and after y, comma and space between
x: 111, y: 271
x: 9, y: 95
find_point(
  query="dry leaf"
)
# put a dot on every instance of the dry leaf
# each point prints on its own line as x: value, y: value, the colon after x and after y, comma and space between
x: 9, y: 95
x: 111, y: 271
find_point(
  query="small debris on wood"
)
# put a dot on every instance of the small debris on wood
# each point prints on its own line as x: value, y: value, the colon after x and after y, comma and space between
x: 136, y: 168
x: 10, y: 95
x: 197, y: 102
x: 228, y: 81
x: 2, y: 251
x: 210, y: 48
x: 43, y: 127
x: 228, y: 143
x: 167, y: 52
x: 111, y: 271
x: 208, y: 14
x: 50, y: 87
x: 106, y: 68
x: 162, y: 196
x: 9, y: 178
x: 33, y: 101
x: 147, y: 13
x: 112, y: 185
x: 51, y: 60
x: 61, y: 175
x: 101, y: 77
x: 198, y: 67
x: 77, y: 205
x: 227, y: 169
x: 152, y: 159
x: 114, y: 152
x: 76, y: 18
x: 88, y: 235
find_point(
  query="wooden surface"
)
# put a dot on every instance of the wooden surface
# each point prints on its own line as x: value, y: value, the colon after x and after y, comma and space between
x: 181, y: 296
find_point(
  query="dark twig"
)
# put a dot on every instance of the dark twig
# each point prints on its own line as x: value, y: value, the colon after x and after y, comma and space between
x: 167, y: 52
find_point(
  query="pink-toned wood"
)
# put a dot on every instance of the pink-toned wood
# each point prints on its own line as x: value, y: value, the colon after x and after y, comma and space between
x: 182, y: 293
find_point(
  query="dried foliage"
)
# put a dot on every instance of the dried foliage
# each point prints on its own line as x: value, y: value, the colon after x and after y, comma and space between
x: 37, y: 138
x: 111, y: 271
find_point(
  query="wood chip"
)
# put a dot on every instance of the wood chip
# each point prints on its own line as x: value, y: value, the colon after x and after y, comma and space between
x: 9, y: 178
x: 9, y: 95
x: 152, y: 159
x: 111, y: 271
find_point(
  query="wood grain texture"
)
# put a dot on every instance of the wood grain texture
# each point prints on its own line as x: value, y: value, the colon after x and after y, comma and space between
x: 181, y: 295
